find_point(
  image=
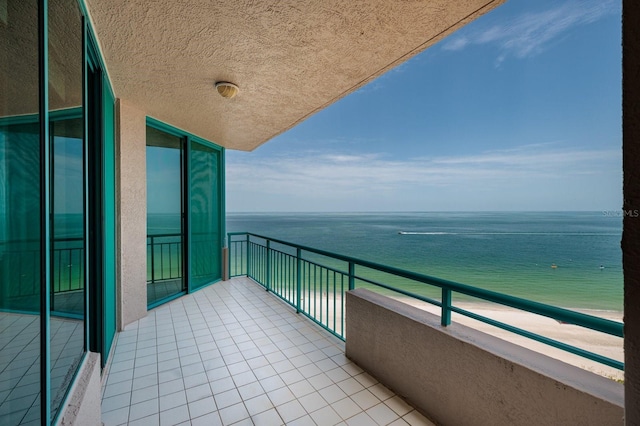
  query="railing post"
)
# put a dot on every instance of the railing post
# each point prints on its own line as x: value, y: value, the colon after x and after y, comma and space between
x: 228, y: 256
x: 268, y: 272
x: 352, y: 275
x: 298, y: 278
x: 445, y: 317
x: 248, y: 256
x: 153, y: 261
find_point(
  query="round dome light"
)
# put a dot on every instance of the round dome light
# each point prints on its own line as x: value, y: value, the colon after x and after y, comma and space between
x: 226, y: 89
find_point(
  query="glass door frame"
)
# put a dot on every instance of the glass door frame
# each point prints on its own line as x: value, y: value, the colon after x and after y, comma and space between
x: 44, y: 119
x: 191, y: 140
x: 94, y: 178
x: 184, y: 234
x: 187, y: 140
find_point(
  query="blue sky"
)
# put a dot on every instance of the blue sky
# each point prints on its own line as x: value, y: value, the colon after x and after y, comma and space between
x: 520, y: 110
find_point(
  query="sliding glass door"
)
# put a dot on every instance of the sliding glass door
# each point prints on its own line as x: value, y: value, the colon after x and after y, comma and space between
x: 53, y: 220
x: 185, y: 221
x: 68, y: 210
x: 205, y: 214
x: 67, y: 229
x: 165, y: 225
x: 20, y: 260
x: 21, y: 238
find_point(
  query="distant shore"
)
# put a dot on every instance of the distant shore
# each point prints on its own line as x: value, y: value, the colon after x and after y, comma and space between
x: 599, y: 343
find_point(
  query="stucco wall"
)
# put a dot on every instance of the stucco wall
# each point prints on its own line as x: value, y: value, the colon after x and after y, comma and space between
x: 458, y: 376
x: 631, y: 234
x: 132, y: 203
x: 83, y: 403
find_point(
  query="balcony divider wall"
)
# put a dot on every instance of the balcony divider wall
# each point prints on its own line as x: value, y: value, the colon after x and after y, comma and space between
x: 57, y: 206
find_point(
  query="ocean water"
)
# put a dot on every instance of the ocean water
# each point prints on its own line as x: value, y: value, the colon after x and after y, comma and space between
x: 508, y: 252
x: 162, y: 223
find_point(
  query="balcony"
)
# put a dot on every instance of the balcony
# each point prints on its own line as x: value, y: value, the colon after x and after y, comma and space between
x: 314, y: 282
x: 235, y: 354
x: 435, y: 360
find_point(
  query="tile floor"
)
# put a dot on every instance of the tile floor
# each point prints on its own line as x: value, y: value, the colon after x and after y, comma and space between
x: 235, y: 354
x: 20, y: 364
x: 158, y: 290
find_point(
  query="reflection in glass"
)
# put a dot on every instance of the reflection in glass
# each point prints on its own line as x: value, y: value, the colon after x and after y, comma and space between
x: 20, y: 272
x: 67, y: 201
x: 67, y: 256
x: 19, y: 214
x: 164, y: 216
x: 205, y: 216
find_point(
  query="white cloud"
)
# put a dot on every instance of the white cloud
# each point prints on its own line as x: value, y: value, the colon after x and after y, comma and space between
x: 343, y: 158
x: 532, y: 157
x: 346, y: 179
x: 530, y: 33
x: 458, y: 43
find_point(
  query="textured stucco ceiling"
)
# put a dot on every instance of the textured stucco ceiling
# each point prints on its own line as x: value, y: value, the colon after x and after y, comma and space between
x: 290, y: 58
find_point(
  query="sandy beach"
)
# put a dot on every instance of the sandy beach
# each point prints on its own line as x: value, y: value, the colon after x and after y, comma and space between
x: 599, y: 343
x: 596, y: 342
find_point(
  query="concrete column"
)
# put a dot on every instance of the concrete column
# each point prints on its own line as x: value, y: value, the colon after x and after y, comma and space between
x: 225, y: 264
x: 631, y: 190
x: 132, y: 208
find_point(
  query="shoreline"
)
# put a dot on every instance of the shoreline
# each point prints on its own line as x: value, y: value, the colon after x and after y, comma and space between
x: 596, y: 342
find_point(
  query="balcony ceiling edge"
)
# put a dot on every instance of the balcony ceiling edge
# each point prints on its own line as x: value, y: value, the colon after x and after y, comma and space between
x: 289, y: 59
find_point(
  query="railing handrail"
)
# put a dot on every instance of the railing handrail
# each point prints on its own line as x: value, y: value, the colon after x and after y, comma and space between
x: 179, y: 235
x: 55, y: 240
x: 163, y: 235
x: 592, y: 322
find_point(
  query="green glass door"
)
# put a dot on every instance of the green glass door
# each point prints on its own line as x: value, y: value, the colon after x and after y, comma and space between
x: 22, y: 243
x: 109, y: 210
x: 205, y: 215
x: 67, y: 199
x: 185, y: 205
x: 67, y: 229
x: 20, y: 256
x: 165, y: 217
x: 56, y: 173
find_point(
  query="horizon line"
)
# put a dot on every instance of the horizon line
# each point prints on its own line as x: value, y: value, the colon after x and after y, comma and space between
x: 607, y: 211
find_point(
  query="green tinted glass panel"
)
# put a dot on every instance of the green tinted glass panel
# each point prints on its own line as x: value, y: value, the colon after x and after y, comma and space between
x: 67, y: 250
x: 205, y: 232
x: 20, y: 218
x: 109, y: 220
x: 20, y: 272
x: 67, y: 230
x: 164, y: 216
x: 20, y: 213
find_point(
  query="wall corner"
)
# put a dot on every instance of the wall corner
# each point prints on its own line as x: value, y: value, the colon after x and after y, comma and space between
x: 132, y: 213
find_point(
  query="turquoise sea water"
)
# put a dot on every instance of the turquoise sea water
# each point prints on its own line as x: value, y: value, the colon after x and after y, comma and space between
x: 507, y: 252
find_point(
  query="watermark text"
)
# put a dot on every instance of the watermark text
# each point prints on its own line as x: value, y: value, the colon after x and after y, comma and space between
x: 621, y: 213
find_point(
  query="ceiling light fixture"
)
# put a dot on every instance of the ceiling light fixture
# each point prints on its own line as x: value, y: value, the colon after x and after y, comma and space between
x: 226, y: 89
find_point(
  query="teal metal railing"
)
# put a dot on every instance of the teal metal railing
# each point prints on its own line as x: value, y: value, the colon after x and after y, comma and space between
x: 165, y: 253
x: 20, y: 261
x: 314, y: 281
x: 164, y: 257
